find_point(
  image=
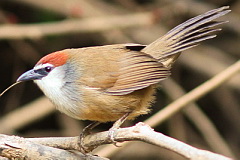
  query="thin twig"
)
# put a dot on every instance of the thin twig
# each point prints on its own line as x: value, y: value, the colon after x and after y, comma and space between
x: 14, y: 147
x: 139, y: 132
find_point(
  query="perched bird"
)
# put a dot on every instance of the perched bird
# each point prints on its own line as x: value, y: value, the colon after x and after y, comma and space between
x: 112, y: 82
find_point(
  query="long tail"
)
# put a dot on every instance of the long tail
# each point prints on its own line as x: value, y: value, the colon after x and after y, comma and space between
x: 186, y: 35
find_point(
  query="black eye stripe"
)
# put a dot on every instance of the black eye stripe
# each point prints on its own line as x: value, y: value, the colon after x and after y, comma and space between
x: 44, y: 71
x: 41, y: 71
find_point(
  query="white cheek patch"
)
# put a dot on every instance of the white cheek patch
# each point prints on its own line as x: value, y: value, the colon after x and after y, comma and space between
x: 56, y: 89
x: 52, y: 82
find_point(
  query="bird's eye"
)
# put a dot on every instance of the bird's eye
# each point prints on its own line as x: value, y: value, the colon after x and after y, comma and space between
x: 48, y: 68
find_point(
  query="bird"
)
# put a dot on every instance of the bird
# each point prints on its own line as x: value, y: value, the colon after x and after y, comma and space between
x: 113, y: 83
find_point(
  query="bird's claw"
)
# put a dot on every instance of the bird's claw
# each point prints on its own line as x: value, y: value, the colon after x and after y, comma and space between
x: 111, y: 136
x: 86, y: 131
x: 82, y: 135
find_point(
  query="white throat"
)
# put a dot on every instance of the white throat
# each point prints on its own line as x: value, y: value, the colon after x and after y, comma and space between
x: 60, y: 91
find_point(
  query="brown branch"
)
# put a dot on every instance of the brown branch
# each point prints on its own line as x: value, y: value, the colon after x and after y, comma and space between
x: 97, y: 24
x: 14, y: 147
x: 79, y: 8
x: 60, y: 7
x: 139, y: 132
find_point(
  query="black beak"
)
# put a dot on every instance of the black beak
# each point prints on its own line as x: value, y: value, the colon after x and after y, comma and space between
x: 30, y: 75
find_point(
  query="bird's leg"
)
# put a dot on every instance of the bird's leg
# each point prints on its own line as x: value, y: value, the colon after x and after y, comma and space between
x: 86, y: 131
x: 116, y: 126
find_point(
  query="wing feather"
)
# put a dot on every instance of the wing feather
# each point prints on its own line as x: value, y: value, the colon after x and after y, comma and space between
x: 138, y: 70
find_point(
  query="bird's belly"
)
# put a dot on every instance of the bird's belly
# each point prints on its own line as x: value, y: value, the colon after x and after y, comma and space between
x: 95, y: 105
x: 104, y: 107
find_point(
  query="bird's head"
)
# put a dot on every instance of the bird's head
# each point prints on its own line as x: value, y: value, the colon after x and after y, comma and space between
x: 55, y: 74
x: 45, y: 67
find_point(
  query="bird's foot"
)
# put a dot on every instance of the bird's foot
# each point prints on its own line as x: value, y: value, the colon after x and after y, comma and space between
x: 111, y: 136
x: 115, y: 127
x: 86, y: 131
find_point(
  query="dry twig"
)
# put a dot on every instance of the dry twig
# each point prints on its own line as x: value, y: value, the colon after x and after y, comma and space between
x: 97, y: 24
x: 14, y: 147
x: 140, y: 132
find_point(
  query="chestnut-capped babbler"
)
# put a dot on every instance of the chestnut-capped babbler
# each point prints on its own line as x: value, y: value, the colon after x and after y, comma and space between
x: 104, y: 83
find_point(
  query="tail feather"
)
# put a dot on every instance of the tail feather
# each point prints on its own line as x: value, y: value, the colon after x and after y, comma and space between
x: 196, y: 22
x: 186, y: 35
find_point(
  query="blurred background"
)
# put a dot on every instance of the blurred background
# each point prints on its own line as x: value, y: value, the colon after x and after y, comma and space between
x: 30, y: 29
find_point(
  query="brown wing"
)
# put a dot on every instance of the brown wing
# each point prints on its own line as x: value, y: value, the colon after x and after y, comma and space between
x: 118, y: 69
x: 137, y: 70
